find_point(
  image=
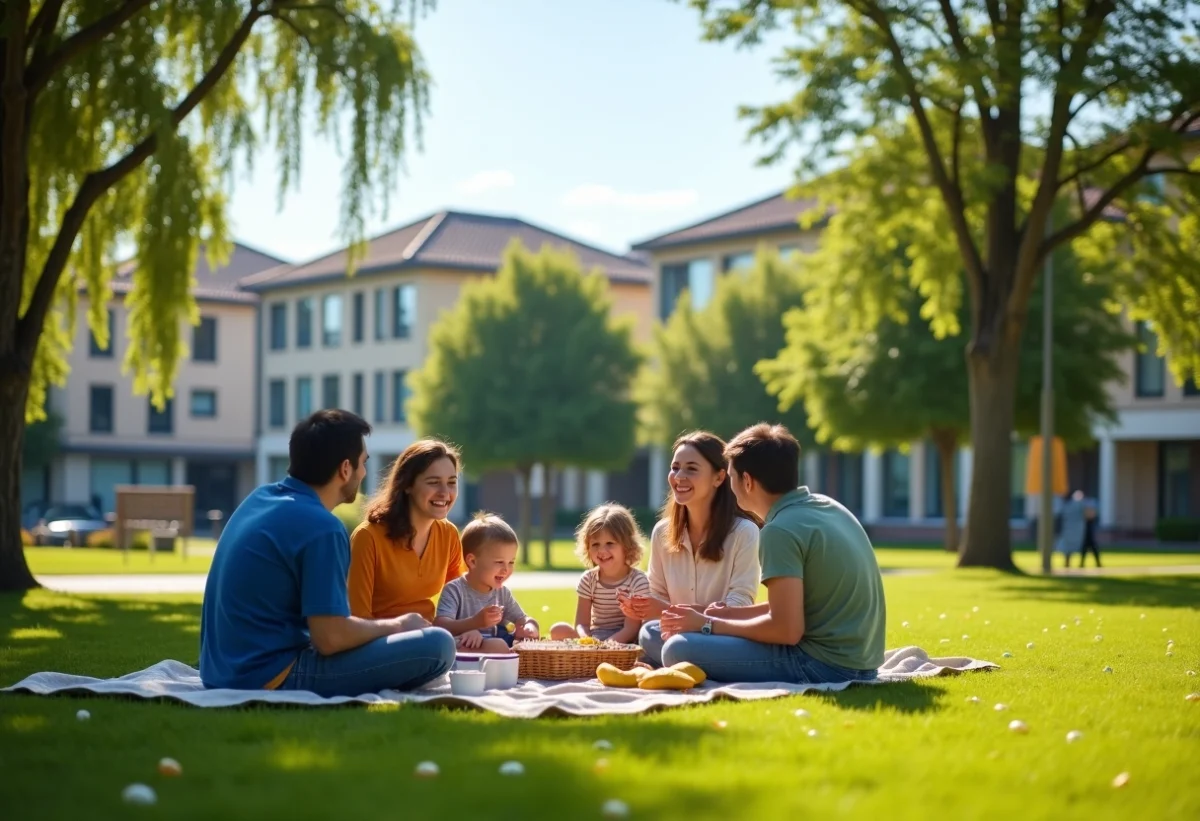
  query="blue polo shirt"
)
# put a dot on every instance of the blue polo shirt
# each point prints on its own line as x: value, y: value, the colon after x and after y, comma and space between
x: 282, y: 558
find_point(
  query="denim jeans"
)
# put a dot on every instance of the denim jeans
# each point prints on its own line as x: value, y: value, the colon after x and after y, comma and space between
x: 651, y: 641
x: 730, y: 659
x: 401, y: 661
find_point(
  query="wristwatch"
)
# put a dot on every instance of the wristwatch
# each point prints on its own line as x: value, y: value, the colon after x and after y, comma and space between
x: 707, y: 628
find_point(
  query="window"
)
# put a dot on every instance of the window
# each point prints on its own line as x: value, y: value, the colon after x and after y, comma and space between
x: 94, y: 349
x: 934, y: 508
x: 204, y: 404
x: 357, y: 391
x: 404, y: 310
x: 100, y: 409
x: 399, y: 394
x: 278, y: 324
x: 380, y: 314
x: 359, y: 318
x: 304, y: 397
x: 331, y: 389
x: 331, y: 321
x: 380, y: 398
x: 736, y: 262
x: 204, y: 340
x: 696, y: 277
x: 1175, y: 479
x: 161, y: 421
x: 1150, y: 374
x: 304, y: 319
x: 895, y: 484
x: 276, y: 403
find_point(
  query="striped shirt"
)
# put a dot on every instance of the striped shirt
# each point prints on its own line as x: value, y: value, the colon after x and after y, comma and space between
x: 606, y: 612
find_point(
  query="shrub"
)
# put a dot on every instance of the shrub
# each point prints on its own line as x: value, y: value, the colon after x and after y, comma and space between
x: 107, y: 539
x: 1178, y: 529
x: 26, y: 538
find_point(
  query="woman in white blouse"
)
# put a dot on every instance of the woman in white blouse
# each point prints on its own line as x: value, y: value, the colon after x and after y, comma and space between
x: 700, y: 510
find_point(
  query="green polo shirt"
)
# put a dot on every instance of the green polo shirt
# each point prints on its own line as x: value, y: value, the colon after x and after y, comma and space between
x: 812, y: 537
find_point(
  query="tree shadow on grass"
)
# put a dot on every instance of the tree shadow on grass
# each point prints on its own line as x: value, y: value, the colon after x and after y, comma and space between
x: 1143, y: 591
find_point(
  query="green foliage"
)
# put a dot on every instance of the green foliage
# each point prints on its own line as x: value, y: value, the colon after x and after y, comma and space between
x: 530, y: 367
x: 350, y: 514
x: 703, y: 374
x: 1178, y: 529
x: 880, y: 376
x: 42, y: 440
x: 139, y: 116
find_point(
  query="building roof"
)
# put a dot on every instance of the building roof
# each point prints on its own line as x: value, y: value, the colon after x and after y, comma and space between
x: 775, y: 213
x: 219, y: 285
x: 453, y: 240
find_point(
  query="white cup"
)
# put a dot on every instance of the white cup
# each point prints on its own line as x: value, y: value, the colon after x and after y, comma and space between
x: 467, y: 682
x: 499, y: 669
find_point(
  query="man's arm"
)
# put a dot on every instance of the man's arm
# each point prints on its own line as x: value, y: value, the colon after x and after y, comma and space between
x: 783, y: 621
x: 749, y: 611
x: 456, y: 627
x: 336, y: 634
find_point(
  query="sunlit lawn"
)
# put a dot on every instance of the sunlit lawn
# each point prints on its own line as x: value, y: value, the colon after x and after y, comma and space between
x: 892, y: 751
x: 55, y: 560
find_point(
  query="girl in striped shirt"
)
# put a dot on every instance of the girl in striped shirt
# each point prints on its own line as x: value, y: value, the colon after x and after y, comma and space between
x: 609, y: 543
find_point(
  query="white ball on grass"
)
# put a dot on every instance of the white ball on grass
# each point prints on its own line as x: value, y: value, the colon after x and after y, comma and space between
x: 512, y: 768
x: 1074, y: 736
x: 614, y: 808
x: 83, y: 715
x: 139, y: 794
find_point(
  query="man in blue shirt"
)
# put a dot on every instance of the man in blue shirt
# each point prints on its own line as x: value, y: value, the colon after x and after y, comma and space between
x: 276, y: 614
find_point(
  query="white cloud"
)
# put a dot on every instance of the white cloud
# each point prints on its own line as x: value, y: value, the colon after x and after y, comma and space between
x: 487, y: 181
x: 585, y: 229
x: 585, y: 196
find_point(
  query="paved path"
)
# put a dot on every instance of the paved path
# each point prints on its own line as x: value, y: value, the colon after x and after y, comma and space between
x: 166, y: 583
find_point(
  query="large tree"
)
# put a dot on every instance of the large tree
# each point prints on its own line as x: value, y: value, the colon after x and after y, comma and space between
x: 1080, y: 98
x: 121, y: 126
x: 701, y: 376
x: 897, y: 381
x: 530, y: 367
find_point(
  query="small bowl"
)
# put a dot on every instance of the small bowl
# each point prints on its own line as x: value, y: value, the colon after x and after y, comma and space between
x: 467, y: 682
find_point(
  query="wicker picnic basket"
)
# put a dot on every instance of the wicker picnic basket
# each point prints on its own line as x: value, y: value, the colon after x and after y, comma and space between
x: 557, y: 661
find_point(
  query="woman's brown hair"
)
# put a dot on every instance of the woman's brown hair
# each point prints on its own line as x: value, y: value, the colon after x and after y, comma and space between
x: 724, y: 507
x: 389, y: 506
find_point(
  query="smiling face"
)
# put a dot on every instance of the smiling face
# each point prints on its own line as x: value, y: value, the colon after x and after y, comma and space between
x: 492, y: 563
x: 692, y: 479
x: 434, y: 490
x: 608, y: 554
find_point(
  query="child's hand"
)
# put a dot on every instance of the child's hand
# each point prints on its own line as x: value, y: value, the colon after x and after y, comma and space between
x: 528, y: 630
x: 470, y: 640
x: 490, y: 615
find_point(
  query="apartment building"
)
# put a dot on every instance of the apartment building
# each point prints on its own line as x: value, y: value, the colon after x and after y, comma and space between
x: 327, y: 340
x: 204, y: 436
x: 1145, y: 467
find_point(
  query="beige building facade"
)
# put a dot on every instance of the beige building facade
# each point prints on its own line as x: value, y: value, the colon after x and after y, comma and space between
x: 204, y: 436
x: 328, y: 340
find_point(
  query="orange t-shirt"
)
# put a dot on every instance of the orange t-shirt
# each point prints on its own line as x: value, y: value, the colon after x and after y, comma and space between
x: 387, y: 579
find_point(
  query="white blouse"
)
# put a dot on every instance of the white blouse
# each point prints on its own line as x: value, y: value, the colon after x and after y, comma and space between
x: 682, y: 577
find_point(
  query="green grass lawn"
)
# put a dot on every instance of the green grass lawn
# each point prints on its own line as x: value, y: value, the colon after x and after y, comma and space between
x: 56, y: 561
x: 897, y: 751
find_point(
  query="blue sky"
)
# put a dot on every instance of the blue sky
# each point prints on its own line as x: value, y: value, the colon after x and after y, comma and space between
x: 608, y: 120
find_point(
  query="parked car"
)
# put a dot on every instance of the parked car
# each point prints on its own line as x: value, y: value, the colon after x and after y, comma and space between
x: 67, y: 525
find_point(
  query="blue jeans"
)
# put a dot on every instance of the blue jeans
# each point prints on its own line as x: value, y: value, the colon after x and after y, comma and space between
x: 730, y: 659
x: 401, y: 661
x: 651, y: 641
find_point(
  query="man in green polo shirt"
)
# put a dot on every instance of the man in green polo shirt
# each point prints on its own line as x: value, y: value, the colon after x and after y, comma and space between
x: 825, y: 615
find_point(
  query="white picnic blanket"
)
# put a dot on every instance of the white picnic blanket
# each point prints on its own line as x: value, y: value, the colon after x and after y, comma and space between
x: 175, y: 681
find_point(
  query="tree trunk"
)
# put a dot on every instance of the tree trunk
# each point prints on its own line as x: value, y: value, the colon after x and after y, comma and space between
x: 525, y: 509
x: 14, y: 571
x: 992, y: 386
x: 548, y: 507
x: 946, y: 442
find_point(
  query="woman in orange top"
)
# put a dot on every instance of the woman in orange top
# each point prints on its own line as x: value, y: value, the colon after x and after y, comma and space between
x: 405, y: 550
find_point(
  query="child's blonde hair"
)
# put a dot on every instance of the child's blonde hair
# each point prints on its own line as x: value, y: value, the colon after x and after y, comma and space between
x: 484, y: 529
x: 617, y: 520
